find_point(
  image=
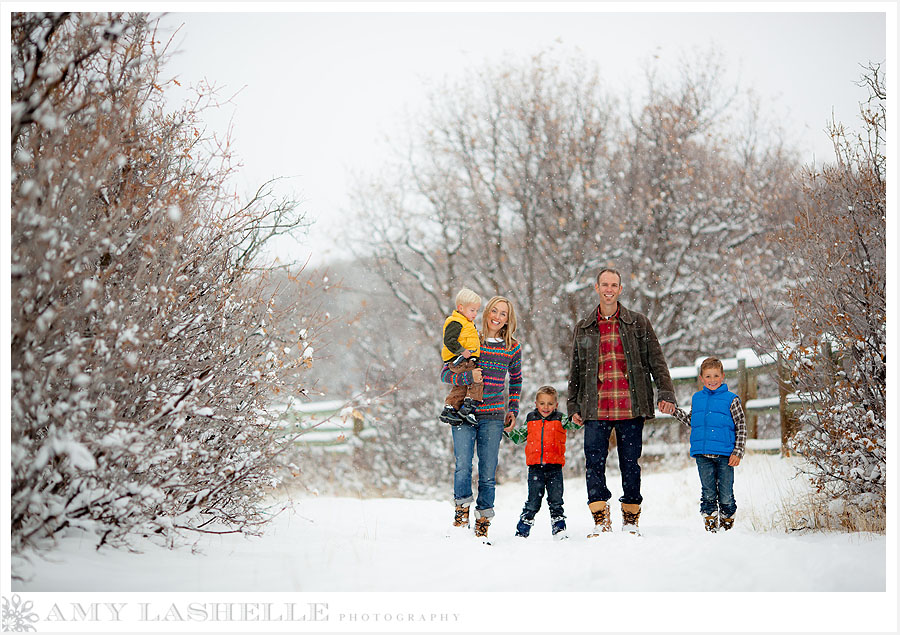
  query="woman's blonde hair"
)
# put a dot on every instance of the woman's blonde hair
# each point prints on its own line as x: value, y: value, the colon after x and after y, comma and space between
x: 508, y: 331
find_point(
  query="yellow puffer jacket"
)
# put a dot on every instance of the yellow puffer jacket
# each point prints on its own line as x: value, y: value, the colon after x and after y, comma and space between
x: 467, y: 339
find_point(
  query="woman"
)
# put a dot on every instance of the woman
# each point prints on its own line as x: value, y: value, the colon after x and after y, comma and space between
x: 501, y: 357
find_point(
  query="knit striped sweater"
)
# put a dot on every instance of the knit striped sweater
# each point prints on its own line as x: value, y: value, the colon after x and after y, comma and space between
x: 496, y: 362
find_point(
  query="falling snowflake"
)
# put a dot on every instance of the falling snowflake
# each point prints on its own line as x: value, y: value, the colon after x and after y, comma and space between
x: 17, y: 615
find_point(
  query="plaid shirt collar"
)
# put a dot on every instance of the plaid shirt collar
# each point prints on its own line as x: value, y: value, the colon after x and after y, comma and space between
x: 614, y: 316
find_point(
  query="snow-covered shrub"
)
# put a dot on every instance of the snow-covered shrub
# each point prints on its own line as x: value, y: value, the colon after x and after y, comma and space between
x: 143, y: 344
x: 840, y: 324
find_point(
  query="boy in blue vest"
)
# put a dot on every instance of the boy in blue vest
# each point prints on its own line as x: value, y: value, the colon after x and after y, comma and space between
x: 718, y: 435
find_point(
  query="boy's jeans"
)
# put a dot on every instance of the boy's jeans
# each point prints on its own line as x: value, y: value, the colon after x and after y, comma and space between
x: 485, y: 436
x: 716, y: 485
x: 541, y: 477
x: 596, y: 447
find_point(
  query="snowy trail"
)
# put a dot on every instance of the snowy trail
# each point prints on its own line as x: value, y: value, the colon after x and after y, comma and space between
x: 340, y: 544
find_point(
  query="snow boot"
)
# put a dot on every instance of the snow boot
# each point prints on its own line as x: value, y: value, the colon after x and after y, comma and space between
x: 727, y: 523
x: 711, y: 522
x: 461, y: 517
x: 524, y: 527
x: 467, y: 411
x: 558, y: 527
x: 482, y: 524
x: 450, y: 415
x: 631, y: 513
x: 602, y: 522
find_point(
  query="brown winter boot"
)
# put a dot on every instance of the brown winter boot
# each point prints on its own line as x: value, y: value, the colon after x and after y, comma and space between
x: 461, y: 518
x: 481, y: 528
x: 727, y: 523
x: 602, y: 522
x: 711, y: 523
x: 631, y: 513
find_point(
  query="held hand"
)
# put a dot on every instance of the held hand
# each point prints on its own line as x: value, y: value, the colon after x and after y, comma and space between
x: 467, y: 353
x: 476, y: 375
x: 666, y: 407
x: 510, y: 422
x: 734, y: 461
x: 576, y: 419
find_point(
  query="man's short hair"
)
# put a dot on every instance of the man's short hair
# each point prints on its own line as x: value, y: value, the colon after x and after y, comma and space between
x: 547, y: 390
x: 609, y: 270
x: 466, y: 297
x: 712, y: 362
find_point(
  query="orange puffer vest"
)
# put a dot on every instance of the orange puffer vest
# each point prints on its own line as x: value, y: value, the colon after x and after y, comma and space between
x: 546, y: 442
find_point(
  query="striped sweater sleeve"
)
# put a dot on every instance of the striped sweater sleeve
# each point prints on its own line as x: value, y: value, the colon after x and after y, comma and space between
x: 456, y: 379
x: 515, y: 380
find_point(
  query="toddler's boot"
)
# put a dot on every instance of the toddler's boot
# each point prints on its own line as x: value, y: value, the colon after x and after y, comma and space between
x: 602, y: 522
x: 461, y: 517
x: 451, y: 416
x: 711, y: 522
x: 558, y: 526
x: 467, y: 411
x: 727, y: 523
x: 631, y: 513
x: 482, y: 524
x: 524, y: 527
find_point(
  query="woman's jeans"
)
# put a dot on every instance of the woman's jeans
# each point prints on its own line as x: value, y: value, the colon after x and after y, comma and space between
x: 716, y: 485
x: 629, y: 444
x: 485, y: 437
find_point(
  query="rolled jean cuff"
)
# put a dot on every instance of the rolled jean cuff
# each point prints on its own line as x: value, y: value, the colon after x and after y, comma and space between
x: 464, y: 501
x: 484, y: 513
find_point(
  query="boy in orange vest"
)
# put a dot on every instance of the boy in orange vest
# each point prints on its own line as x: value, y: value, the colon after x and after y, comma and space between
x: 545, y: 454
x: 461, y: 347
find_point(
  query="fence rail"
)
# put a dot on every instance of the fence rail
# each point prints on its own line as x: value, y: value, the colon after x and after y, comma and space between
x: 331, y: 423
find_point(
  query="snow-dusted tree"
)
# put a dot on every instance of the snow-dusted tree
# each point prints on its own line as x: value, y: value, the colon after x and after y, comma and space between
x: 524, y: 179
x: 697, y: 193
x: 143, y: 346
x: 840, y: 325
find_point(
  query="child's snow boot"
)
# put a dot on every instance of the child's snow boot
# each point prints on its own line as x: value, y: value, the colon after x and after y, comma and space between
x: 450, y: 415
x: 524, y: 527
x: 482, y: 524
x: 711, y: 522
x: 558, y: 526
x: 602, y: 522
x: 727, y: 523
x: 467, y: 411
x: 631, y: 513
x: 461, y: 517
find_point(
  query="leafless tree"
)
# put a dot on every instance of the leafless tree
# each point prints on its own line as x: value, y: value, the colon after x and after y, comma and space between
x: 144, y: 347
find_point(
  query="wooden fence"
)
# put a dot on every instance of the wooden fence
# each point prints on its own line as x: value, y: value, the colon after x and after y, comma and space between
x: 742, y: 374
x: 331, y: 423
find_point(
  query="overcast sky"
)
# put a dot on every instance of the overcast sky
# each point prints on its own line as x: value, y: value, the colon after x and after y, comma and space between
x: 318, y: 92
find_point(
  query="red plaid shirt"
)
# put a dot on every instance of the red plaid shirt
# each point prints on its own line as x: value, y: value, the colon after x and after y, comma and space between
x: 614, y: 396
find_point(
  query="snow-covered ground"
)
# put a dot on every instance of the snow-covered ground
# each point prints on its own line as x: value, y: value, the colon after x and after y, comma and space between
x: 326, y: 544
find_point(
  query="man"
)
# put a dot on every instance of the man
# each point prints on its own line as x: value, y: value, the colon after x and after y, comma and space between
x: 614, y: 355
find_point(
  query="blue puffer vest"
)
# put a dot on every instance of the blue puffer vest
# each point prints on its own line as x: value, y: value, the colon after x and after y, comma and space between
x: 712, y: 427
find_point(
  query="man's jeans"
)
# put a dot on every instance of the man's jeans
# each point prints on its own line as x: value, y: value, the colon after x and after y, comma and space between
x: 541, y: 477
x: 716, y: 485
x: 629, y: 445
x: 485, y: 436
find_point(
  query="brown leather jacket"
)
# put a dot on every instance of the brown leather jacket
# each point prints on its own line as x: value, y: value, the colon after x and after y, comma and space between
x: 643, y: 356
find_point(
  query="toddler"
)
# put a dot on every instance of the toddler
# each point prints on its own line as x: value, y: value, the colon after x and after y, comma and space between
x: 460, y: 351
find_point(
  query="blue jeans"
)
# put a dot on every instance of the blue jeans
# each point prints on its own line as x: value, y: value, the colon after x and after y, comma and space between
x: 716, y: 485
x: 541, y: 477
x: 485, y: 437
x: 629, y: 444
